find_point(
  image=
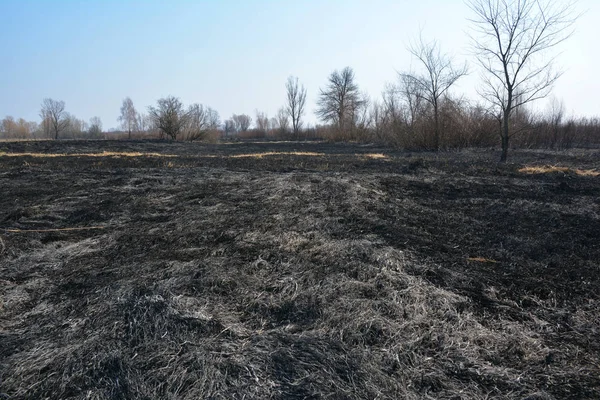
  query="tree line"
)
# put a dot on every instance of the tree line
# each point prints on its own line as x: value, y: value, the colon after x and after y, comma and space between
x: 512, y: 41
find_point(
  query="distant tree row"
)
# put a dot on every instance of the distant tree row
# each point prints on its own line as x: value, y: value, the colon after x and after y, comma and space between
x: 511, y: 40
x: 55, y: 122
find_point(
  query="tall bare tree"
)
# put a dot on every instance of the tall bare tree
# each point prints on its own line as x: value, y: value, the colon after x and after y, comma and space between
x: 129, y: 116
x: 242, y: 122
x: 169, y: 116
x: 438, y: 76
x: 511, y: 40
x: 76, y: 128
x: 296, y: 102
x: 213, y: 117
x: 200, y: 121
x: 262, y: 121
x: 197, y: 122
x: 53, y: 113
x: 340, y: 99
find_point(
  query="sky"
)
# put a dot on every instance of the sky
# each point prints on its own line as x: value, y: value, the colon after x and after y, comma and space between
x: 235, y: 56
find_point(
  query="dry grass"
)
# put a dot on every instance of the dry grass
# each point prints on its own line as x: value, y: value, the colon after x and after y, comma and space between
x: 375, y: 156
x: 587, y: 172
x: 271, y: 142
x: 279, y: 153
x: 372, y: 156
x: 216, y: 283
x: 103, y: 154
x: 547, y: 169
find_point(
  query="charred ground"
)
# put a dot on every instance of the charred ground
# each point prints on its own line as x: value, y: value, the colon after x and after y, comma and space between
x: 296, y: 270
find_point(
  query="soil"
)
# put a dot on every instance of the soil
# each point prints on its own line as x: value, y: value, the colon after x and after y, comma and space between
x: 296, y: 270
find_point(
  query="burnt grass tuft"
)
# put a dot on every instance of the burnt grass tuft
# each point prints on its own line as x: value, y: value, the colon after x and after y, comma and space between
x: 318, y: 271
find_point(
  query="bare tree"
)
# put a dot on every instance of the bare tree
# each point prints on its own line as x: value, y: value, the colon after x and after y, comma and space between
x: 263, y: 123
x: 200, y: 121
x: 46, y: 125
x: 296, y: 102
x: 392, y: 107
x: 53, y: 113
x: 95, y: 127
x: 21, y: 129
x: 213, y: 118
x: 196, y: 122
x: 283, y: 120
x: 242, y: 122
x: 142, y: 123
x: 438, y: 76
x: 229, y: 127
x: 128, y: 118
x: 512, y: 38
x: 340, y: 99
x: 556, y: 113
x: 169, y: 116
x: 360, y: 112
x: 76, y: 127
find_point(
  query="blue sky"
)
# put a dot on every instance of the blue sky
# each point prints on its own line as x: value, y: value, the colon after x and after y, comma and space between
x: 236, y: 55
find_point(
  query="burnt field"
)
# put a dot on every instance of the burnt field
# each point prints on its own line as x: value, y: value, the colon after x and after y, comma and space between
x: 148, y: 270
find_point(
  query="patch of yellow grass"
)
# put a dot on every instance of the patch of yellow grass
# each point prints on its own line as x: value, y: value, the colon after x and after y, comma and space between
x: 103, y: 154
x: 278, y: 153
x: 482, y: 260
x: 263, y: 142
x: 375, y: 156
x: 587, y: 172
x: 546, y: 169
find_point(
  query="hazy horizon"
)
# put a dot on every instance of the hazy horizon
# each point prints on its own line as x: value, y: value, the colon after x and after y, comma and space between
x: 235, y: 57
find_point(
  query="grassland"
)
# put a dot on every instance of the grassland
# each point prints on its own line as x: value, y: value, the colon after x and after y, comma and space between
x: 151, y: 270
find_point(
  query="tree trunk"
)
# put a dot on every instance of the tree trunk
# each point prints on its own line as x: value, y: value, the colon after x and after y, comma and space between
x: 436, y: 139
x: 505, y: 137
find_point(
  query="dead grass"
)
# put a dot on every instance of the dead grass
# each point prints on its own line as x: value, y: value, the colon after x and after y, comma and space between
x: 547, y: 169
x: 103, y: 154
x: 268, y: 143
x: 279, y: 153
x: 213, y: 283
x: 375, y: 156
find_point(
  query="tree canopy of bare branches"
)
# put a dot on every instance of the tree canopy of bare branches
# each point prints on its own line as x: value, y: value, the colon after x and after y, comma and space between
x: 229, y: 127
x: 129, y: 116
x: 95, y: 127
x: 340, y: 99
x: 242, y: 122
x: 17, y: 129
x: 169, y: 116
x: 263, y: 122
x: 200, y: 121
x: 511, y: 40
x: 438, y: 76
x: 283, y: 120
x: 296, y: 101
x: 53, y: 113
